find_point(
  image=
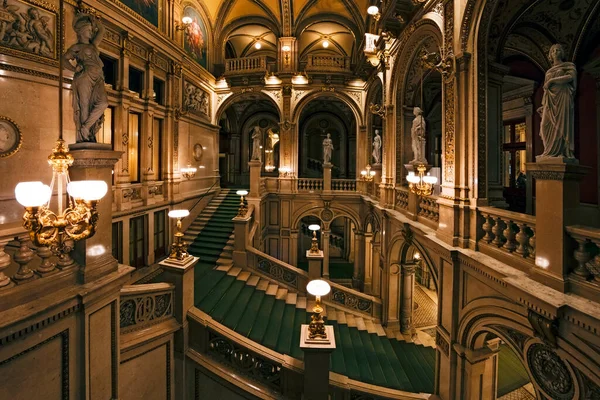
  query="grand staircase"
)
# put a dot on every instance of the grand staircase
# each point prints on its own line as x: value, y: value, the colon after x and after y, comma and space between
x: 266, y: 313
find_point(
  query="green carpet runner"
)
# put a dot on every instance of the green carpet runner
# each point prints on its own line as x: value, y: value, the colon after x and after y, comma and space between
x: 234, y: 299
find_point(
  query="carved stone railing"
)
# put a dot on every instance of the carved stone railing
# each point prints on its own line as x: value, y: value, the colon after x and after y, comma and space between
x: 310, y: 184
x: 429, y: 208
x: 234, y: 66
x: 353, y: 300
x: 343, y: 185
x: 145, y: 305
x: 587, y: 252
x: 510, y: 232
x: 401, y: 198
x: 287, y: 274
x: 327, y: 63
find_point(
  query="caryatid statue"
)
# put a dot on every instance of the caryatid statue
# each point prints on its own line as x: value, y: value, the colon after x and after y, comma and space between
x: 377, y: 147
x: 557, y: 129
x: 327, y: 149
x: 89, y: 95
x: 256, y: 143
x: 417, y: 135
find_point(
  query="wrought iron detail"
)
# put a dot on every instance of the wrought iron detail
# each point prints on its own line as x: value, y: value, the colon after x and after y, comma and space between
x: 278, y: 272
x: 139, y: 311
x: 550, y: 372
x: 351, y: 301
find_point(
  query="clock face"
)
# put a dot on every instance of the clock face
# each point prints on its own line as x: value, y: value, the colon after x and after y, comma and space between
x: 10, y: 137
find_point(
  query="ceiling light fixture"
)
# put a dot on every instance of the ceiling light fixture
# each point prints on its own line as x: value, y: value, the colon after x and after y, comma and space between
x: 257, y: 45
x: 374, y: 12
x: 325, y: 43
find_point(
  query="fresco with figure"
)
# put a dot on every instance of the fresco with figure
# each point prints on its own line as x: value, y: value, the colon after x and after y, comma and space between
x: 195, y: 36
x: 28, y: 28
x: 148, y: 9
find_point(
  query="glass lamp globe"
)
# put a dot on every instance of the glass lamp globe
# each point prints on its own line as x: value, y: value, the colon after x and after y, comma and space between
x: 241, y: 192
x: 178, y: 213
x: 318, y: 287
x: 373, y: 10
x: 32, y: 194
x: 186, y: 20
x: 314, y: 227
x: 87, y: 190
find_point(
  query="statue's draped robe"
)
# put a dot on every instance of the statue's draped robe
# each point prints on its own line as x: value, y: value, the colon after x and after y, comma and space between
x: 557, y: 129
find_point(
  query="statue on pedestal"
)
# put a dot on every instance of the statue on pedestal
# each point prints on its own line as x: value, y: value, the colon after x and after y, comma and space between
x: 377, y: 147
x: 557, y: 129
x: 256, y: 144
x: 327, y: 149
x: 89, y: 95
x: 417, y: 135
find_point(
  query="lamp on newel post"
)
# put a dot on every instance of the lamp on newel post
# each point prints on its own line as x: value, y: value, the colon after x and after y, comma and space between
x: 179, y: 247
x: 316, y: 328
x: 314, y: 242
x: 243, y: 207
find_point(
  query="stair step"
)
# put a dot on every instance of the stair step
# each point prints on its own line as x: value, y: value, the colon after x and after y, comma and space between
x: 284, y: 342
x: 281, y: 294
x: 345, y: 344
x: 253, y: 280
x: 374, y: 364
x: 243, y: 276
x: 301, y: 302
x: 350, y: 320
x: 263, y: 284
x: 291, y: 298
x: 254, y: 306
x: 331, y: 314
x: 224, y: 267
x: 299, y: 319
x: 238, y: 308
x: 261, y: 320
x: 360, y: 324
x: 341, y: 317
x: 274, y: 326
x: 366, y: 375
x: 379, y: 329
x: 221, y: 309
x: 272, y: 289
x: 384, y: 361
x: 370, y: 326
x: 235, y: 271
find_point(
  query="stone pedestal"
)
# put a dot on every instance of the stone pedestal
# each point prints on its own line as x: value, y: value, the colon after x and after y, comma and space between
x: 479, y: 371
x: 316, y: 364
x: 180, y: 274
x: 241, y: 229
x: 557, y: 203
x: 94, y: 255
x: 327, y: 177
x: 315, y: 262
x: 255, y: 166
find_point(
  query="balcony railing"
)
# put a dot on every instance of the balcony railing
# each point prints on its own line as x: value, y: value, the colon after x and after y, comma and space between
x: 401, y: 198
x: 328, y: 63
x: 244, y: 65
x: 343, y: 185
x: 508, y: 232
x: 587, y: 253
x: 429, y: 208
x: 310, y: 184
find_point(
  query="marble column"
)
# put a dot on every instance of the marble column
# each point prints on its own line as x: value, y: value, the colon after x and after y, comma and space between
x: 325, y: 243
x: 358, y: 276
x: 94, y: 255
x: 407, y: 302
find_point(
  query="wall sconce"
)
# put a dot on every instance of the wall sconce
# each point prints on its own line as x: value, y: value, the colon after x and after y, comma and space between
x: 188, y: 172
x: 285, y: 172
x: 185, y: 24
x: 300, y: 79
x: 286, y: 54
x: 314, y: 247
x: 316, y: 328
x: 366, y: 174
x: 374, y: 12
x: 421, y: 185
x: 441, y: 62
x: 377, y: 109
x: 179, y: 247
x: 243, y: 207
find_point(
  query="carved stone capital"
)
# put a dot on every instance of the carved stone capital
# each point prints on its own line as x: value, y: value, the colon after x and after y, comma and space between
x: 546, y: 329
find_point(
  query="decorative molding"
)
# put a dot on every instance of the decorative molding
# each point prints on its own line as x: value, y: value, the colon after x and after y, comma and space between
x: 277, y: 272
x: 449, y: 98
x: 544, y: 328
x: 351, y: 301
x: 441, y: 343
x: 64, y: 336
x: 38, y: 325
x: 38, y: 74
x: 137, y: 311
x: 550, y: 372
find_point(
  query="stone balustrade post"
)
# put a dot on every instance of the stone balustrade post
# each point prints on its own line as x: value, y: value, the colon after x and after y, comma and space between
x: 325, y: 243
x: 316, y: 364
x: 255, y: 166
x: 180, y: 274
x: 557, y: 204
x: 241, y: 229
x: 315, y: 262
x: 327, y: 177
x: 23, y: 257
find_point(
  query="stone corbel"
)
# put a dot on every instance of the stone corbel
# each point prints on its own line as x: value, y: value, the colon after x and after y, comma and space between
x: 546, y: 329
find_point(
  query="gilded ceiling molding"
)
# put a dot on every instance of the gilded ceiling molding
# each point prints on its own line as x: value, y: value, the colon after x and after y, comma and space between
x: 275, y: 94
x: 449, y: 100
x: 286, y: 13
x: 315, y: 94
x: 232, y: 98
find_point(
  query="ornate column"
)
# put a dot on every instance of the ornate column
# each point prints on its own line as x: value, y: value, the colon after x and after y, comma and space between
x: 407, y: 303
x: 325, y: 243
x: 287, y: 55
x: 376, y: 268
x: 359, y: 274
x: 477, y: 372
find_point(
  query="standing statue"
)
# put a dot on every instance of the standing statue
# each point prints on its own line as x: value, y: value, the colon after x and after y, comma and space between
x: 377, y: 147
x: 417, y: 135
x: 89, y: 95
x: 557, y: 129
x: 327, y: 149
x: 256, y: 143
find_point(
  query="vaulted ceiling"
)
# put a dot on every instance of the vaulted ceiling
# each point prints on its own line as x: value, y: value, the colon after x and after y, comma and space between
x: 242, y: 23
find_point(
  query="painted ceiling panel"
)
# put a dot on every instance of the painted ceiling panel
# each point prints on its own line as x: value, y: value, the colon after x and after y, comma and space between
x: 298, y: 6
x: 274, y: 6
x: 341, y: 39
x: 244, y: 38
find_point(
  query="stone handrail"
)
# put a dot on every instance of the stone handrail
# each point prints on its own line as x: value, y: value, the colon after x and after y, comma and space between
x: 327, y: 63
x: 353, y: 300
x: 510, y: 232
x: 343, y: 185
x: 276, y: 371
x: 245, y: 65
x: 429, y: 208
x: 587, y: 253
x: 144, y: 305
x: 310, y: 184
x: 401, y: 202
x: 285, y: 273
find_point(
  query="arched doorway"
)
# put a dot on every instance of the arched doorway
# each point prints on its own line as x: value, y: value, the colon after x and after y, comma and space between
x: 321, y: 116
x: 238, y: 120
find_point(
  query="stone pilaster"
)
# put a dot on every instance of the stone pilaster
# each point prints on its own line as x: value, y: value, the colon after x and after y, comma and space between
x: 325, y: 244
x: 327, y: 178
x: 358, y: 275
x: 407, y: 304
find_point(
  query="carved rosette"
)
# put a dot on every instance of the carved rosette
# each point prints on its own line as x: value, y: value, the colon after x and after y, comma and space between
x: 550, y: 372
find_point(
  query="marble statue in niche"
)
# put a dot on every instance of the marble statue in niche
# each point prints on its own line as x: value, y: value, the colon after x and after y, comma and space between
x: 327, y: 149
x: 256, y: 145
x: 417, y: 135
x: 377, y: 147
x: 89, y: 95
x: 557, y: 129
x: 195, y: 99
